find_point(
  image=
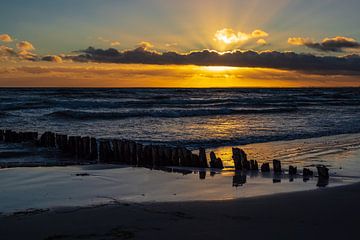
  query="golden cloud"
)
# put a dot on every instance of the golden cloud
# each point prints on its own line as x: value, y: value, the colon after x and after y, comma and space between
x: 259, y: 34
x: 261, y: 42
x: 25, y: 46
x: 5, y: 38
x: 228, y: 36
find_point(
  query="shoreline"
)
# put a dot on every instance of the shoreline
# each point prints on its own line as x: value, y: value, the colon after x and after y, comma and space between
x: 48, y: 187
x: 327, y: 213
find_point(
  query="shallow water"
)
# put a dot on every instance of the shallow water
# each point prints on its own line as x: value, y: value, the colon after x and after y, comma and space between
x: 72, y: 186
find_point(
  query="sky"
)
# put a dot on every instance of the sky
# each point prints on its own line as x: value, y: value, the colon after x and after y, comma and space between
x: 168, y: 43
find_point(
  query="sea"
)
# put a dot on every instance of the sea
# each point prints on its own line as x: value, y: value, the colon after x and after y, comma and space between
x: 188, y: 117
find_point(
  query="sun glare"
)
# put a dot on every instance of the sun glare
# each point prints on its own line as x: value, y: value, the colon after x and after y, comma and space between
x: 219, y: 68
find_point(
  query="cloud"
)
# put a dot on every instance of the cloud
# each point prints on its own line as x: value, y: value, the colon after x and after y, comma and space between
x: 261, y: 42
x: 53, y: 58
x: 145, y: 45
x: 25, y: 46
x: 228, y: 36
x: 5, y: 38
x: 335, y: 44
x: 266, y: 59
x: 259, y: 34
x: 115, y: 43
x: 169, y: 45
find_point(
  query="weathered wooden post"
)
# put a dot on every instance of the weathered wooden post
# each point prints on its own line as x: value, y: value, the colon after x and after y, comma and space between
x: 240, y: 159
x: 147, y: 155
x: 175, y: 156
x: 265, y: 167
x: 292, y: 170
x: 93, y: 149
x: 71, y: 147
x: 2, y: 133
x: 132, y: 152
x: 212, y: 159
x: 105, y: 152
x: 86, y: 148
x: 115, y: 144
x: 195, y: 160
x: 155, y: 155
x: 140, y: 161
x: 202, y: 158
x: 254, y: 166
x: 277, y: 166
x: 307, y: 172
x: 323, y: 171
x: 168, y: 155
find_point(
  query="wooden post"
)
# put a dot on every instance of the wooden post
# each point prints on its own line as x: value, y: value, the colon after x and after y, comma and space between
x: 254, y: 165
x: 292, y: 170
x: 202, y: 158
x: 140, y: 161
x: 240, y: 159
x: 323, y: 171
x: 175, y: 156
x: 277, y: 166
x: 2, y: 135
x: 195, y: 161
x: 71, y: 147
x: 132, y: 153
x: 86, y: 153
x: 155, y: 155
x: 105, y: 152
x: 212, y: 160
x: 93, y: 149
x: 265, y: 167
x: 115, y: 144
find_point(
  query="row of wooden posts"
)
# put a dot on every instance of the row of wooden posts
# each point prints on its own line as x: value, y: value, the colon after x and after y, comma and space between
x: 133, y: 153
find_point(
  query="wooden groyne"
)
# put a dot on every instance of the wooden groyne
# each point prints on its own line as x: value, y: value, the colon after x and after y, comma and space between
x: 91, y: 150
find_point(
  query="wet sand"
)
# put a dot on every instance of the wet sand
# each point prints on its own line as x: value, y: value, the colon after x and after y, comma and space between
x: 329, y: 213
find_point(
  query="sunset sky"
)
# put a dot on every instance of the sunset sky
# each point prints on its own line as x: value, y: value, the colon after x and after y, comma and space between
x: 168, y: 43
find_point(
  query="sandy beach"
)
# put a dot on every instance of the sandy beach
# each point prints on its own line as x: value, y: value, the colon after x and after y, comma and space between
x: 330, y: 213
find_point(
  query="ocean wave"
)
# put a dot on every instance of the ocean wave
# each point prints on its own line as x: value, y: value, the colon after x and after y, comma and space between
x: 90, y: 115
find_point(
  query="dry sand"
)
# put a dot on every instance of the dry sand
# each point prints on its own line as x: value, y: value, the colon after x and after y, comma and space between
x: 330, y: 213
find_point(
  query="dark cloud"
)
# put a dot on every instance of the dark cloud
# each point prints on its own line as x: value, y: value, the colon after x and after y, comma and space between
x: 336, y: 44
x: 267, y: 59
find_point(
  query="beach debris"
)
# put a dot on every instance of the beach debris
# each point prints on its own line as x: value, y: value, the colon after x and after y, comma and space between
x: 240, y: 159
x: 265, y: 167
x: 323, y: 171
x: 307, y: 172
x: 277, y: 166
x: 202, y: 158
x: 292, y: 170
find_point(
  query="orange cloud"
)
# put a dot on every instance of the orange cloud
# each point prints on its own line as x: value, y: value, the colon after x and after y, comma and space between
x: 25, y: 46
x: 259, y: 34
x: 261, y: 42
x: 145, y: 45
x: 5, y: 38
